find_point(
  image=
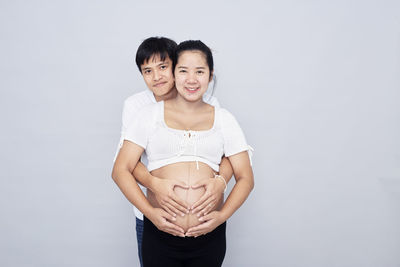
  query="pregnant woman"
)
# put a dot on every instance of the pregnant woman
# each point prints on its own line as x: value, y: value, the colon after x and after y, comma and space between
x: 185, y: 138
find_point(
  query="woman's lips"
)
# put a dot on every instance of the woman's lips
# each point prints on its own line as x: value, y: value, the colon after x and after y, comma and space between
x: 192, y: 89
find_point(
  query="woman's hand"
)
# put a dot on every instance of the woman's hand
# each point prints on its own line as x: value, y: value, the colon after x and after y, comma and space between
x: 166, y: 197
x: 163, y: 221
x: 214, y: 191
x: 209, y: 223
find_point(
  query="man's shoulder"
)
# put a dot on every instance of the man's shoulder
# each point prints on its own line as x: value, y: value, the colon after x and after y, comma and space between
x: 210, y: 99
x: 139, y: 99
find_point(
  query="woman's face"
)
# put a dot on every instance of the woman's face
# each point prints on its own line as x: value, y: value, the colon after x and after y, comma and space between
x: 192, y: 75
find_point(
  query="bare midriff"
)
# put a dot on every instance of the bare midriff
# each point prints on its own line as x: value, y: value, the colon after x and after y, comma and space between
x: 186, y: 172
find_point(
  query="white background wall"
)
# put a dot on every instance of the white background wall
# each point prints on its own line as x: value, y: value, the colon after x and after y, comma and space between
x: 314, y: 84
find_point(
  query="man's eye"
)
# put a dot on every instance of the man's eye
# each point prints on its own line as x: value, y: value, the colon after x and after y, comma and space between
x: 182, y: 71
x: 200, y: 72
x: 163, y: 67
x: 147, y: 71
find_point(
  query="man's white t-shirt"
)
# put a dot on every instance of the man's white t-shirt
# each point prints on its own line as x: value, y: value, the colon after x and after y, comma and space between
x: 132, y: 105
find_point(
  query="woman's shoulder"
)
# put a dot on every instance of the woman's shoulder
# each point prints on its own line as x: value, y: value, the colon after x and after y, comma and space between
x: 224, y: 114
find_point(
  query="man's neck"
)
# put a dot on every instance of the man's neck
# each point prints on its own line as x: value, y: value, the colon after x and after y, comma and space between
x: 171, y: 94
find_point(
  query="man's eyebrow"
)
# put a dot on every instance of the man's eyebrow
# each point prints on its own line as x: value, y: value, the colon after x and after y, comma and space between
x: 163, y: 63
x: 182, y: 67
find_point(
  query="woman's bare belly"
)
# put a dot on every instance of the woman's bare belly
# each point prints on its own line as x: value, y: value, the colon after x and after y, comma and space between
x: 188, y: 173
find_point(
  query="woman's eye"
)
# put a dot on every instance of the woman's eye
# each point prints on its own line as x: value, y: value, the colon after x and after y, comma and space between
x: 182, y: 71
x: 200, y: 72
x: 147, y: 71
x: 163, y: 67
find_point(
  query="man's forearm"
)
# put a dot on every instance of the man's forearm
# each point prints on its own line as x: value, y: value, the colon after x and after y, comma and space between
x: 142, y: 175
x: 131, y: 190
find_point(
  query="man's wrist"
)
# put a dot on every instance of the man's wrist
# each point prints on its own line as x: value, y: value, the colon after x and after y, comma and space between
x: 148, y: 213
x: 153, y: 182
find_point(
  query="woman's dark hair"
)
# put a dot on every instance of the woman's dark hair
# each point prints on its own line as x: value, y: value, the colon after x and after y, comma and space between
x: 192, y: 45
x: 154, y: 46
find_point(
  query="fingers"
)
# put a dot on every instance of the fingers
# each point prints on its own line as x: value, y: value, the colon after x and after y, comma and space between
x: 207, y: 204
x: 167, y: 209
x: 173, y: 209
x: 198, y: 203
x: 207, y: 209
x: 173, y: 229
x: 169, y: 227
x: 173, y: 204
x: 201, y: 229
x: 179, y: 203
x: 207, y: 217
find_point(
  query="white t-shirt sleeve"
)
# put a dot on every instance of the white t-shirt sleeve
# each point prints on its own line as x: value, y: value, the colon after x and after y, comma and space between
x: 234, y: 139
x: 126, y: 113
x: 141, y: 126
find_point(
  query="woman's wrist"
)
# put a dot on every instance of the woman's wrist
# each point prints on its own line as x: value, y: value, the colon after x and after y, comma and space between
x: 224, y: 216
x: 221, y: 178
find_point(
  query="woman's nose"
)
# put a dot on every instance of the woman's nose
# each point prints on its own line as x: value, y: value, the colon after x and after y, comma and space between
x: 191, y: 78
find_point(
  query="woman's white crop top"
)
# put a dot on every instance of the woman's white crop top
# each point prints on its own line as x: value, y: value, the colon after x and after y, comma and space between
x: 164, y: 145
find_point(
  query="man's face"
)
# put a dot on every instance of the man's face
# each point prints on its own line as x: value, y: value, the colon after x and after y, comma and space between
x: 158, y: 75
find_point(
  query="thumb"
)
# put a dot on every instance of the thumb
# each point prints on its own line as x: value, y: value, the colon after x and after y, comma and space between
x: 197, y: 185
x: 181, y: 184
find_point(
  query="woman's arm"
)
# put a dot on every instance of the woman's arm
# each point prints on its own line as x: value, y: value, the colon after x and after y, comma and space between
x: 125, y: 163
x: 244, y: 184
x: 215, y: 189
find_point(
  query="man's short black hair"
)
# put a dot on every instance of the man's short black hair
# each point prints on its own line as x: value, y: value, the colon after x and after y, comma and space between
x: 155, y: 46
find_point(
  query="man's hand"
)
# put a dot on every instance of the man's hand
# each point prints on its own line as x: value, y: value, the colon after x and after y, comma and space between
x: 166, y: 197
x: 163, y: 221
x: 209, y: 223
x: 214, y: 191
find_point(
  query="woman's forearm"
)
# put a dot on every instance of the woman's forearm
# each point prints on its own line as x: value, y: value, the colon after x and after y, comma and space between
x: 238, y: 195
x: 244, y: 184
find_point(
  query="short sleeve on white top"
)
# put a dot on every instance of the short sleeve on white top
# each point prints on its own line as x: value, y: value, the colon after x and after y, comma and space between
x: 141, y: 126
x: 132, y: 105
x: 234, y: 139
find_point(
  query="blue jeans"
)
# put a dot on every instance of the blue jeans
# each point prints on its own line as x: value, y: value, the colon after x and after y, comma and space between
x: 139, y: 236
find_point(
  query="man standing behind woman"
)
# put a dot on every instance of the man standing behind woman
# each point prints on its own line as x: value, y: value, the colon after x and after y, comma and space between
x: 185, y: 139
x: 154, y: 61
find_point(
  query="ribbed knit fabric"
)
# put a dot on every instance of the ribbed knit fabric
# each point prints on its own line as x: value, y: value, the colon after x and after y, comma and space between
x: 165, y: 145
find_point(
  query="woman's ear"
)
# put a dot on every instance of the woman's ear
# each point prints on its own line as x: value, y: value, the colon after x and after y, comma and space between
x: 211, y: 76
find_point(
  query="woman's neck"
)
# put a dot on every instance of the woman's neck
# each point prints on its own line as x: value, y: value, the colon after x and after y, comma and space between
x: 183, y: 105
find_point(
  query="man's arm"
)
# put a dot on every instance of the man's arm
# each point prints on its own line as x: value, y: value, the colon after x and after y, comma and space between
x: 122, y: 175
